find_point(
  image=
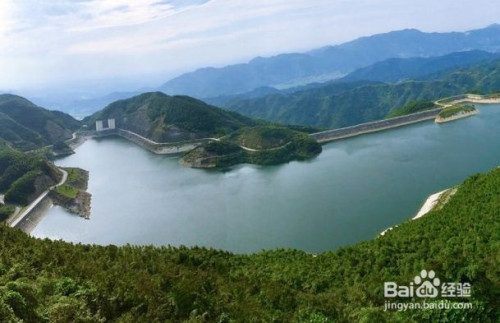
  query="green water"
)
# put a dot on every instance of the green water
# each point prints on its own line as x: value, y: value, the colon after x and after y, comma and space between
x: 355, y: 189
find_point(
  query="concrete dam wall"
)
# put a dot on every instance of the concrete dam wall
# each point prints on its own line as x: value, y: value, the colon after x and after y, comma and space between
x: 331, y: 135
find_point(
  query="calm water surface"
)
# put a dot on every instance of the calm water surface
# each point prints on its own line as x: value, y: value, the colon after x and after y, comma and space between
x: 356, y: 188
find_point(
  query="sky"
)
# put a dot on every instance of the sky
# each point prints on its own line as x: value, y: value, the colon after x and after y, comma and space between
x: 58, y: 43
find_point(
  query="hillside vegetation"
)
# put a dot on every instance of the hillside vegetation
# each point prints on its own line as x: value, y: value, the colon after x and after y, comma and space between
x: 412, y: 107
x: 454, y: 110
x: 25, y: 126
x: 24, y: 176
x: 43, y: 280
x: 164, y: 118
x: 261, y: 145
x: 325, y: 108
x: 395, y: 70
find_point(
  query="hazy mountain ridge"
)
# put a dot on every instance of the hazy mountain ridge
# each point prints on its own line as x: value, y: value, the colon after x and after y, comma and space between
x: 325, y: 107
x: 344, y: 58
x: 400, y: 69
x: 27, y: 126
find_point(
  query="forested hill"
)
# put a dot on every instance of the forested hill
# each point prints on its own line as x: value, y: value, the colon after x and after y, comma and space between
x: 23, y: 177
x: 328, y: 62
x: 164, y: 118
x: 26, y: 126
x: 326, y: 107
x: 55, y: 281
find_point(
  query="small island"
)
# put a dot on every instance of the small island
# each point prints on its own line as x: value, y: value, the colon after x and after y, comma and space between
x: 261, y: 145
x: 455, y: 112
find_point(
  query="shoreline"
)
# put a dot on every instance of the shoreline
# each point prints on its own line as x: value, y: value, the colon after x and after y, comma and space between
x: 39, y: 206
x: 433, y: 201
x: 177, y: 148
x: 429, y: 204
x: 375, y: 130
x: 374, y: 126
x: 440, y: 120
x: 331, y: 135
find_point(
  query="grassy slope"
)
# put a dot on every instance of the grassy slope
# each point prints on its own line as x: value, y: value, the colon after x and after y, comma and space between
x: 412, y: 107
x: 42, y: 279
x: 456, y: 109
x: 261, y: 137
x: 76, y: 181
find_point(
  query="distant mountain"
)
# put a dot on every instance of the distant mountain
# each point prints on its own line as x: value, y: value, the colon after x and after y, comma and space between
x: 78, y: 107
x: 389, y: 71
x: 327, y: 107
x: 26, y: 126
x: 329, y: 62
x: 164, y: 118
x: 336, y: 87
x: 400, y: 69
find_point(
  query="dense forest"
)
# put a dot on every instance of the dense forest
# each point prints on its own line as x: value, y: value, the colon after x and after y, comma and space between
x: 24, y: 176
x: 56, y: 281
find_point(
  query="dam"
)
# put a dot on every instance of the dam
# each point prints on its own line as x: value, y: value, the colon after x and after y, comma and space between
x: 369, y: 127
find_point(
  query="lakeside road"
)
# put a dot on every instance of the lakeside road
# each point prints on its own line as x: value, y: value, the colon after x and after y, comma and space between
x: 26, y: 211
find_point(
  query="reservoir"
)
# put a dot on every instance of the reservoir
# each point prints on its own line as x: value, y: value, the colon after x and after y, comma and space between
x: 351, y: 192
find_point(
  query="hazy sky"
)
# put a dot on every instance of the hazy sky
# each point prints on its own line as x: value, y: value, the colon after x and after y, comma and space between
x: 54, y: 42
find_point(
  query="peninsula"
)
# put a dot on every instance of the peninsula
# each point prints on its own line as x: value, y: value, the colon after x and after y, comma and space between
x: 455, y: 112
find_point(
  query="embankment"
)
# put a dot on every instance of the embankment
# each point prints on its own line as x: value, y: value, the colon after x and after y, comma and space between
x: 472, y: 98
x: 167, y: 148
x: 161, y: 148
x: 29, y: 221
x: 331, y: 135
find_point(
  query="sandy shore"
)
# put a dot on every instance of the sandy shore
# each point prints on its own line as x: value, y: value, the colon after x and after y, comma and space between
x: 429, y: 204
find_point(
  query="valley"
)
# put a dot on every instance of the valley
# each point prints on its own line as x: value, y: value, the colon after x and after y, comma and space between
x: 206, y: 175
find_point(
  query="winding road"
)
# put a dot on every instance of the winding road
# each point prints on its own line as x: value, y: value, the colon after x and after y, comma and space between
x: 33, y: 204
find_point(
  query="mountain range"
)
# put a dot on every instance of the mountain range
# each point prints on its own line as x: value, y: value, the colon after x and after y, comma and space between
x: 339, y: 104
x: 329, y: 62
